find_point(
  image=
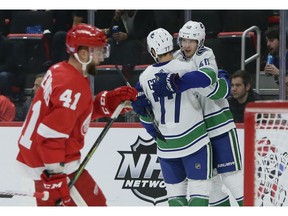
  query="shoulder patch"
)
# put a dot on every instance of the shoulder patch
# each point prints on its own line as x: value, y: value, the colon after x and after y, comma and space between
x: 201, y: 51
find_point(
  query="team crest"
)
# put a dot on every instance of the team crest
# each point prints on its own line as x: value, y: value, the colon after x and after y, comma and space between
x: 141, y: 173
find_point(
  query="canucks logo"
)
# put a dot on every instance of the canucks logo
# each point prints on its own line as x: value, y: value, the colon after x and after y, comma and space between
x: 140, y: 171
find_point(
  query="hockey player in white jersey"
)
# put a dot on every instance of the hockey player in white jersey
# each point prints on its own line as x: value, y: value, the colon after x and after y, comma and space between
x: 175, y: 122
x: 185, y: 156
x: 218, y: 118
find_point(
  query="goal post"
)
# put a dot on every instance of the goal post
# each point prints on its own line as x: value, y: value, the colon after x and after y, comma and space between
x: 266, y: 153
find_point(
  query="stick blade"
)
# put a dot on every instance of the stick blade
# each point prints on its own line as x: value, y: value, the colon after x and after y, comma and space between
x: 5, y: 196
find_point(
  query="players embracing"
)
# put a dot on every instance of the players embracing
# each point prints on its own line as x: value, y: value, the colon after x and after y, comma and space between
x: 185, y: 94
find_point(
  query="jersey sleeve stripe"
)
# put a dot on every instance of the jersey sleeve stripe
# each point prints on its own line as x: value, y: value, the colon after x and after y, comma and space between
x: 47, y: 132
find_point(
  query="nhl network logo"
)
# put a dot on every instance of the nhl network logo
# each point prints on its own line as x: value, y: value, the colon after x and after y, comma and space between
x: 140, y: 170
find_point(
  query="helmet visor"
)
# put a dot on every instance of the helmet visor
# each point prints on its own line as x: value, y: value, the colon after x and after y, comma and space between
x: 102, y: 52
x: 106, y: 51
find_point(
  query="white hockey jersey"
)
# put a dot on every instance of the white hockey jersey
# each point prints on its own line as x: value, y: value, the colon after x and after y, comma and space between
x: 217, y: 115
x: 179, y: 117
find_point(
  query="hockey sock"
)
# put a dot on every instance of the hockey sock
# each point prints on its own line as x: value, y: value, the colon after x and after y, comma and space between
x: 197, y: 201
x: 218, y: 197
x: 240, y: 202
x: 234, y: 182
x: 178, y: 201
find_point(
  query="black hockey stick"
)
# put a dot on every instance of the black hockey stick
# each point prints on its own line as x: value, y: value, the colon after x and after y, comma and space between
x: 94, y: 147
x: 150, y: 114
x: 10, y: 194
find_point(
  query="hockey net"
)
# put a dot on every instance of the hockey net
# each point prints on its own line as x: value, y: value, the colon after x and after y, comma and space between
x: 266, y: 154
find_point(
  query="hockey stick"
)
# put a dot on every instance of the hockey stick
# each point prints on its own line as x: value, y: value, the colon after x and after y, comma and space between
x: 82, y: 166
x: 40, y: 195
x: 150, y: 114
x: 96, y: 143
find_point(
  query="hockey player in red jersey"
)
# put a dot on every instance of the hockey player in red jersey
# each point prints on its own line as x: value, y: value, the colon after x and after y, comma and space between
x: 53, y: 133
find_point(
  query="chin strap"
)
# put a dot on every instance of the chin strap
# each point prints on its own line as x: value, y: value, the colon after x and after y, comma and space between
x: 84, y: 64
x: 155, y: 59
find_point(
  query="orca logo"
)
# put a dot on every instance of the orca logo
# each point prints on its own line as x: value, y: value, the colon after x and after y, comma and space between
x: 140, y: 170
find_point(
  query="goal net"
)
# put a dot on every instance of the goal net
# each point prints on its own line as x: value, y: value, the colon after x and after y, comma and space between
x: 266, y: 154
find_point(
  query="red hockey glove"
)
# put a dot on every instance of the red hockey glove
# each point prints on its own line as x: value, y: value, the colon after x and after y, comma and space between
x: 111, y: 99
x: 56, y: 185
x: 121, y: 94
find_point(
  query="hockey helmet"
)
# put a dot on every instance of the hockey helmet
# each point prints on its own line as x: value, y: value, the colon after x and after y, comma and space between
x: 84, y: 35
x: 194, y: 31
x: 161, y: 41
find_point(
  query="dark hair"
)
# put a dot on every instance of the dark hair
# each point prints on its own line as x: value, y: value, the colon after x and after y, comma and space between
x: 244, y: 75
x: 40, y: 75
x: 272, y: 32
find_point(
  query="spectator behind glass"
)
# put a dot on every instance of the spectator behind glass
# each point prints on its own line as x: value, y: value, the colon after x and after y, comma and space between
x: 28, y: 101
x: 7, y: 109
x: 37, y: 82
x: 129, y: 41
x: 272, y: 43
x: 241, y: 94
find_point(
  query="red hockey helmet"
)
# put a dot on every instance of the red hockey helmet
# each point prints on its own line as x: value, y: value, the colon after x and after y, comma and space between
x: 84, y: 35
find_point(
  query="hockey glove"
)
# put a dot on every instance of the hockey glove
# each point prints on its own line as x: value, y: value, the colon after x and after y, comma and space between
x: 165, y: 84
x: 118, y: 95
x: 141, y: 105
x: 107, y: 101
x: 56, y: 185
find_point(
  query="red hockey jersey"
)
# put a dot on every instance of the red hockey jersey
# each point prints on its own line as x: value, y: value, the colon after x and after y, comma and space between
x: 57, y: 121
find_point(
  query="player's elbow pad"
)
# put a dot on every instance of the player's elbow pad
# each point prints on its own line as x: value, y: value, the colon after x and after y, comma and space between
x: 219, y: 90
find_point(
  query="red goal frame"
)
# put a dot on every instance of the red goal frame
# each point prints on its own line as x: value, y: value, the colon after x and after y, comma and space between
x: 249, y: 141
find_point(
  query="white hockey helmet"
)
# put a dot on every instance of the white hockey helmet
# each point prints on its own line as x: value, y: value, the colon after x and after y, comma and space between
x: 161, y: 41
x: 194, y: 31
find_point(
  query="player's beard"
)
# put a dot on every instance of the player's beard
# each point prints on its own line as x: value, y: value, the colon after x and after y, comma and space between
x: 91, y: 69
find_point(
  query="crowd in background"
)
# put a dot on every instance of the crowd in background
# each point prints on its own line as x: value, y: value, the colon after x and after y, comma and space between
x: 126, y: 31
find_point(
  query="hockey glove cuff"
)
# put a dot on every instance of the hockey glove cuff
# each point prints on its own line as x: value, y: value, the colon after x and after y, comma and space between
x: 141, y: 105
